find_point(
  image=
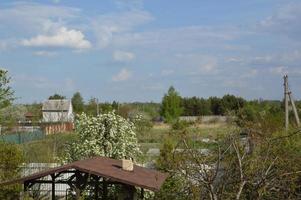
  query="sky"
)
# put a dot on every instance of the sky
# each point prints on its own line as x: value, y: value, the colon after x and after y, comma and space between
x: 134, y: 50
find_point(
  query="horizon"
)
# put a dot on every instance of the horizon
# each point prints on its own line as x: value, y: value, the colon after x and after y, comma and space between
x: 134, y: 50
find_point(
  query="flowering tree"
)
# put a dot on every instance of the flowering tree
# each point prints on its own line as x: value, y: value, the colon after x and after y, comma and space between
x: 107, y: 135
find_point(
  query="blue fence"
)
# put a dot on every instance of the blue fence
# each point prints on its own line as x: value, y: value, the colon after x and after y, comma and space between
x: 22, y: 137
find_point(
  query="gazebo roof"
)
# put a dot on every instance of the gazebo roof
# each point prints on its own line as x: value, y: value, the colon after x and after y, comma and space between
x: 107, y: 168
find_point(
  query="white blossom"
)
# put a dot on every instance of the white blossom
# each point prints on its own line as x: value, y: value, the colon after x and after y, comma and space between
x: 107, y: 135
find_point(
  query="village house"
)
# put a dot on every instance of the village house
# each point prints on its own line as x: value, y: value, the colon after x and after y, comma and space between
x: 57, y: 111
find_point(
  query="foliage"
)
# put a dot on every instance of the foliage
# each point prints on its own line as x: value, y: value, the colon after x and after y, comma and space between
x: 56, y: 97
x: 124, y: 110
x: 232, y: 103
x: 142, y: 122
x: 195, y: 106
x: 91, y: 107
x: 107, y: 135
x: 263, y: 164
x: 12, y: 114
x: 265, y: 115
x: 216, y: 106
x: 10, y: 161
x: 181, y: 125
x: 48, y: 149
x: 166, y: 155
x: 36, y: 110
x: 174, y: 187
x: 171, y: 105
x: 6, y: 93
x: 108, y: 107
x: 78, y: 103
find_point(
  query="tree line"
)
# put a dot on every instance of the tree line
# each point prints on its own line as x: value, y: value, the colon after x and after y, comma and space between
x: 172, y: 106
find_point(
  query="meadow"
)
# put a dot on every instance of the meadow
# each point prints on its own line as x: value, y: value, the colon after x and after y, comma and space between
x: 50, y: 148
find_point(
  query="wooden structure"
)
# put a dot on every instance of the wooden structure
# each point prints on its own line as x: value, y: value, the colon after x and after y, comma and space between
x: 99, y: 174
x: 58, y: 127
x: 58, y: 110
x: 289, y: 97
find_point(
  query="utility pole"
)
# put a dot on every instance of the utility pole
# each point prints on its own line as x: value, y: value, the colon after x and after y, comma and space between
x: 286, y: 100
x: 289, y: 97
x: 97, y: 106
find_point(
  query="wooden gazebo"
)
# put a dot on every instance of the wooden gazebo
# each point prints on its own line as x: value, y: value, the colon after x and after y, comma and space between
x: 99, y: 174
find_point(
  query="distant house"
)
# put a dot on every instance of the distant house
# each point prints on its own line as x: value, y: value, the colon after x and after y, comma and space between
x: 57, y: 111
x: 30, y: 117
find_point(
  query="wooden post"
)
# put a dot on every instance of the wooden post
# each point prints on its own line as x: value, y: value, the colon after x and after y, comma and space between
x: 104, y: 189
x: 77, y: 185
x: 288, y: 97
x: 53, y: 187
x: 286, y: 101
x: 294, y: 108
x: 142, y: 193
x: 96, y: 179
x: 26, y: 184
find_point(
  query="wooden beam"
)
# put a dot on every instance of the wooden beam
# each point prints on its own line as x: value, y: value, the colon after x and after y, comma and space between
x: 142, y: 193
x: 104, y: 189
x: 53, y: 187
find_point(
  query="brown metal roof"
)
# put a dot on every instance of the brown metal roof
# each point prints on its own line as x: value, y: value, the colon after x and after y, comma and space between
x: 107, y: 168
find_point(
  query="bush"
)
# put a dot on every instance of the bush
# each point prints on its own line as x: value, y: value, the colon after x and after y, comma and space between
x: 181, y: 125
x: 11, y: 159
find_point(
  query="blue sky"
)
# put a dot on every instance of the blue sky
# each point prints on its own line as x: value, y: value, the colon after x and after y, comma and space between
x: 133, y: 50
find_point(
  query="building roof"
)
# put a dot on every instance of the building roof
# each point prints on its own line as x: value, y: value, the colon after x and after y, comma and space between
x: 107, y: 168
x: 56, y: 105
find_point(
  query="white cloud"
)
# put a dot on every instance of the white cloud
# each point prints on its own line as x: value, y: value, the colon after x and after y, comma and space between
x: 62, y: 38
x: 123, y: 56
x: 196, y: 64
x: 3, y: 45
x: 107, y: 26
x: 123, y: 75
x: 43, y: 83
x: 45, y: 53
x: 285, y: 21
x: 167, y: 72
x: 29, y: 18
x: 38, y: 82
x: 154, y: 87
x: 234, y: 60
x: 189, y: 37
x: 285, y: 58
x: 249, y: 74
x: 280, y: 70
x: 209, y: 66
x: 129, y: 4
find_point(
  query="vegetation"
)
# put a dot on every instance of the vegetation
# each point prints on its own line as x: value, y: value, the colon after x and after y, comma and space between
x: 78, y: 103
x: 261, y: 163
x: 6, y: 93
x: 11, y: 160
x: 194, y: 106
x: 56, y: 97
x: 105, y: 135
x: 251, y: 159
x: 171, y: 105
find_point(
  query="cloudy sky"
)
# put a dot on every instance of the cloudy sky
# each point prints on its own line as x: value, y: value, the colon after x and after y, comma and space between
x: 133, y: 50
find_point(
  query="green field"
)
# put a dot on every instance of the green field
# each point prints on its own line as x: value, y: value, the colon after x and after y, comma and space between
x: 50, y: 148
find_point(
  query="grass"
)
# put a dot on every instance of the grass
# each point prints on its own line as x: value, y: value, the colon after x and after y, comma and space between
x: 197, y: 132
x: 46, y: 150
x: 155, y: 137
